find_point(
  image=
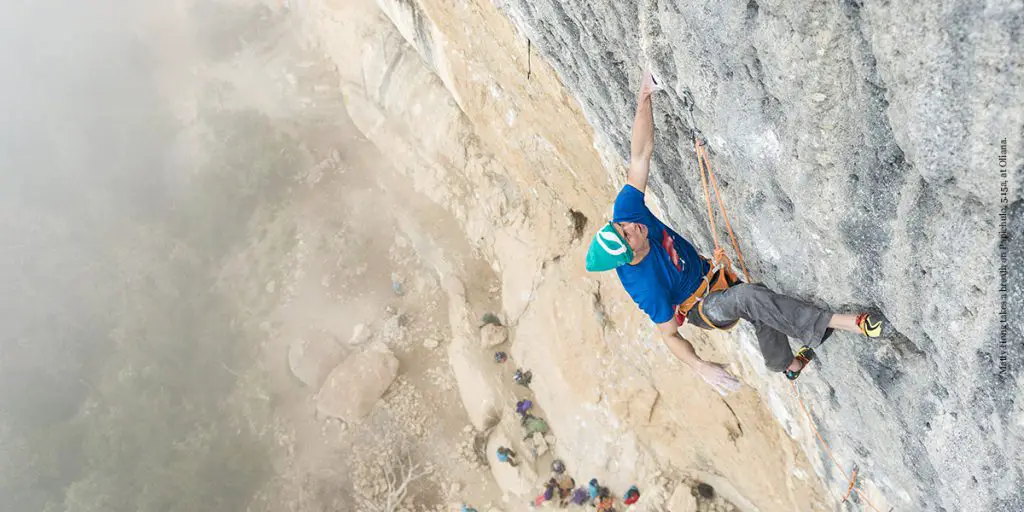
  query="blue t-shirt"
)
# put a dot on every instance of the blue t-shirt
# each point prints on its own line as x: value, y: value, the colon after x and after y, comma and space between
x: 670, y: 273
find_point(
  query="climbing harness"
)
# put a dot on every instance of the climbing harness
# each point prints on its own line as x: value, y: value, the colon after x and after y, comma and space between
x: 708, y: 176
x: 719, y: 277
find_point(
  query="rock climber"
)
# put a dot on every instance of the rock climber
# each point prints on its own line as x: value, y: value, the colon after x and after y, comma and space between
x: 565, y: 486
x: 507, y: 456
x: 605, y: 503
x: 580, y: 496
x: 673, y: 284
x: 533, y: 425
x: 523, y: 378
x: 549, y: 489
x: 523, y: 407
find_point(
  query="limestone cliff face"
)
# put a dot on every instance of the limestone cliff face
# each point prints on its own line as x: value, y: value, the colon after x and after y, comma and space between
x: 859, y: 141
x: 857, y: 147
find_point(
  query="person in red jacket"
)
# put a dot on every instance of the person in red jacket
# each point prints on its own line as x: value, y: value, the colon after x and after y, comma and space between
x: 631, y: 496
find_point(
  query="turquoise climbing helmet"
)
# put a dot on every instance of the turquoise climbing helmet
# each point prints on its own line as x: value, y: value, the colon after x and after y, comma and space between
x: 608, y: 250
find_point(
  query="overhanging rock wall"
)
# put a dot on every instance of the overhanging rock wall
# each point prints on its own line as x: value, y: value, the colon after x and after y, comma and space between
x: 858, y: 146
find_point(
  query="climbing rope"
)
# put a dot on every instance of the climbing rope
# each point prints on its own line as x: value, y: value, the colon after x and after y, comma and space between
x: 707, y: 175
x: 852, y: 479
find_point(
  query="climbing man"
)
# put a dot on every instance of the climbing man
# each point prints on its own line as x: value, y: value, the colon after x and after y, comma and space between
x: 673, y: 284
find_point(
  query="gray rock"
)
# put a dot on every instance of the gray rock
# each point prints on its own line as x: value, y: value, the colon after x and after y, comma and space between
x: 517, y: 481
x: 856, y: 144
x: 492, y: 335
x: 360, y: 334
x: 477, y: 387
x: 682, y: 500
x: 313, y: 356
x: 474, y: 373
x: 355, y: 385
x: 540, y: 445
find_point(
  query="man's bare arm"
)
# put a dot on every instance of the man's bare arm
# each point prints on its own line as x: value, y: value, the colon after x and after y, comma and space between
x: 679, y: 346
x: 642, y: 143
x: 713, y: 373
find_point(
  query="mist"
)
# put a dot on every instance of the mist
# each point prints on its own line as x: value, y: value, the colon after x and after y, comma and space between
x: 124, y: 184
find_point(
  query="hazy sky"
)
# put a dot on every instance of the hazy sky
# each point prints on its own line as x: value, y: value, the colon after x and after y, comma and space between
x: 106, y: 339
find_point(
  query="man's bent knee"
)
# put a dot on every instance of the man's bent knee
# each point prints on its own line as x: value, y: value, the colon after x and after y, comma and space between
x: 742, y: 299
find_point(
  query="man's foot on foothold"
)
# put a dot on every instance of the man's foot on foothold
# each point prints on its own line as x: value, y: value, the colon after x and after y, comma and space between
x: 870, y: 325
x: 803, y: 356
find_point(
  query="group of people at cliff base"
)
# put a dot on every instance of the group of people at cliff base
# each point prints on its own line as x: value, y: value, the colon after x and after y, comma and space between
x: 562, y: 487
x: 674, y: 284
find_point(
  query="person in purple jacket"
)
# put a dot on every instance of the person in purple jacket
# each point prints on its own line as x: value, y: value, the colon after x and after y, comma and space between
x: 671, y: 282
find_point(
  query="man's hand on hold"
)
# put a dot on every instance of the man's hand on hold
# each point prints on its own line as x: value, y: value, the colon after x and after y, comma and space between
x: 719, y: 378
x: 649, y: 84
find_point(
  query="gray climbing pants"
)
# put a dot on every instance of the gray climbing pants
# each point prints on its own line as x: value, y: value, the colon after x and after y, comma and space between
x: 775, y: 317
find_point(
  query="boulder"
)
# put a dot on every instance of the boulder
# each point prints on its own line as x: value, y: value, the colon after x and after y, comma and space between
x: 474, y: 376
x: 312, y: 357
x: 492, y: 335
x: 473, y: 370
x: 682, y: 500
x: 360, y: 335
x: 540, y: 444
x: 518, y: 480
x: 355, y: 385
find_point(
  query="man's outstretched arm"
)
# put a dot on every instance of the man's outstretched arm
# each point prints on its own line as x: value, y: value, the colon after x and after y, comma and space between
x: 642, y: 143
x: 720, y: 379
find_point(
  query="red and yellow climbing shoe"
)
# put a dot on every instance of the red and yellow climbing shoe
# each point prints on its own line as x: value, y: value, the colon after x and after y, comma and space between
x: 805, y: 355
x: 868, y: 326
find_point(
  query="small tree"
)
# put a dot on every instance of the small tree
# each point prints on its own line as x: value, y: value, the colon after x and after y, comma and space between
x: 392, y: 475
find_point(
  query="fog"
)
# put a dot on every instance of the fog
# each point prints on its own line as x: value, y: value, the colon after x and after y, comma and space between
x: 117, y: 348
